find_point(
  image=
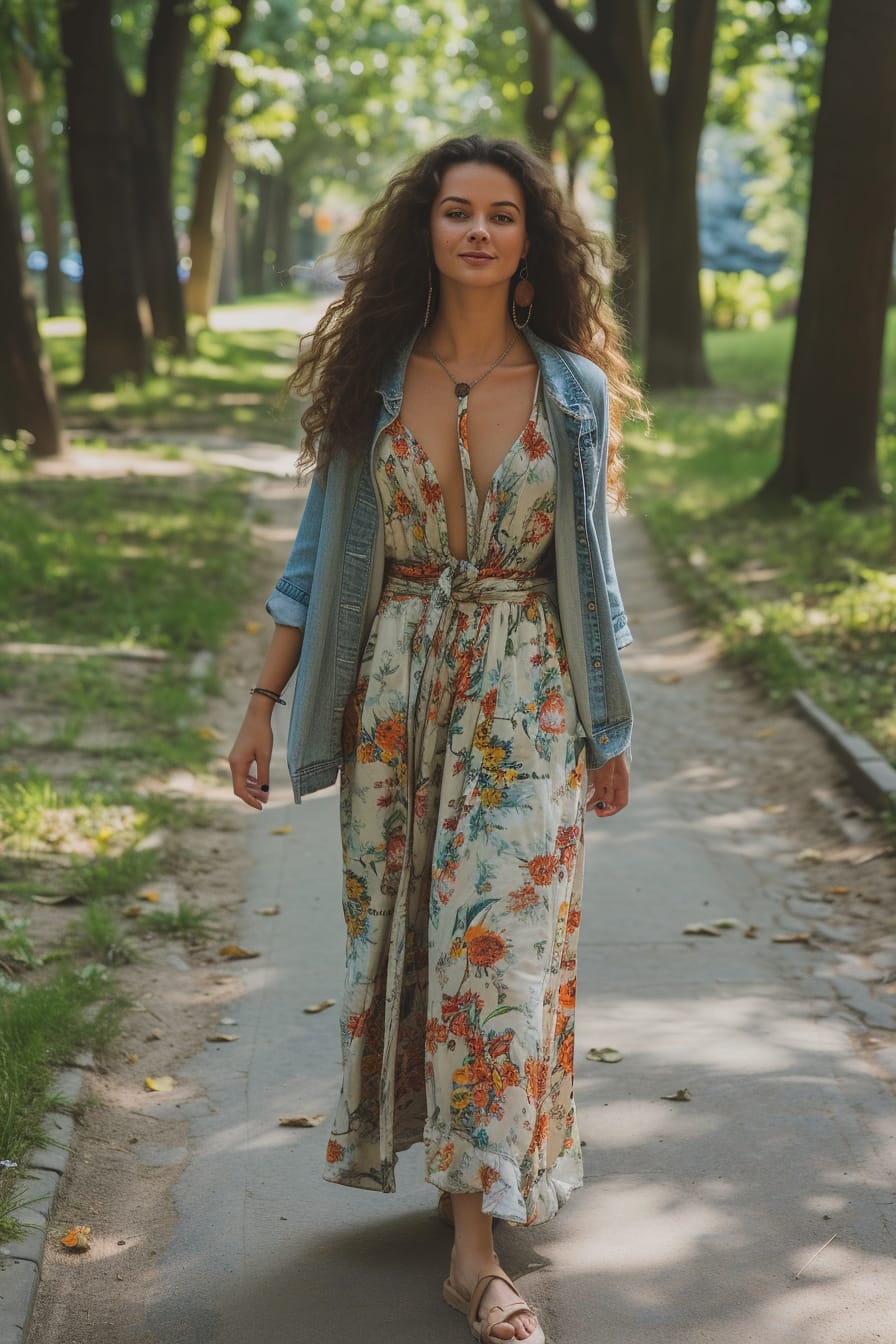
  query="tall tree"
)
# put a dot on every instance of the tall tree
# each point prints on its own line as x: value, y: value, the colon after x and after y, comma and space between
x: 27, y: 394
x: 154, y: 124
x: 833, y: 402
x: 101, y: 172
x: 46, y: 182
x: 656, y: 140
x: 206, y: 228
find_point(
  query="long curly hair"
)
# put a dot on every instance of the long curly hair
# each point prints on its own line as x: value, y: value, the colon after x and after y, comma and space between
x: 387, y: 258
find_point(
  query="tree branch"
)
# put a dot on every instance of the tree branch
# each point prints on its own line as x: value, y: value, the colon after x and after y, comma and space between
x: 580, y: 39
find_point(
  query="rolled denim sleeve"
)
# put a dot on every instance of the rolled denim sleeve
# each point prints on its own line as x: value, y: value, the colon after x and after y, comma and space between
x: 289, y: 602
x: 600, y: 515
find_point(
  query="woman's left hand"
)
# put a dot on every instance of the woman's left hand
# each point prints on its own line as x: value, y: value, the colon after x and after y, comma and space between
x: 607, y: 789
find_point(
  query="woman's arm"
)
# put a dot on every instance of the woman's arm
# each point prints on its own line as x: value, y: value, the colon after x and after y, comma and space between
x: 255, y: 739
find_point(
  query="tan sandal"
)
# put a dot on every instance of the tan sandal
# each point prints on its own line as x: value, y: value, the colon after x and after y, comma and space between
x: 482, y: 1330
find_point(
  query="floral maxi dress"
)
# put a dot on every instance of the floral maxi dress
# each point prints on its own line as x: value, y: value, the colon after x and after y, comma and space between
x: 461, y: 816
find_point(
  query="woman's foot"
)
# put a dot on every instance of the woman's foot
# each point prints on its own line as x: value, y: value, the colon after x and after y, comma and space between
x: 465, y: 1273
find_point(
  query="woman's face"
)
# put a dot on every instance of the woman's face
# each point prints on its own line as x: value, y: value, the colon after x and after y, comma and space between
x: 478, y: 226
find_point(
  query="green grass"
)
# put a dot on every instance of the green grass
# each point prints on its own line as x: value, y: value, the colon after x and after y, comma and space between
x: 232, y: 383
x: 41, y: 1026
x: 187, y: 921
x: 803, y: 596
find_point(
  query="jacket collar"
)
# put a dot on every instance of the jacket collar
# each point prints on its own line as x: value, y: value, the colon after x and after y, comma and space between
x: 557, y: 374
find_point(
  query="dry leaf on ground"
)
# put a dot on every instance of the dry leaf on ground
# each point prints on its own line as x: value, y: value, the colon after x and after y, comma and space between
x: 319, y: 1007
x: 681, y: 1095
x: 221, y: 1036
x: 301, y: 1121
x: 706, y: 929
x: 805, y: 936
x: 154, y: 1035
x: 268, y: 910
x: 838, y: 891
x: 208, y: 734
x: 164, y: 1084
x: 810, y: 856
x: 234, y: 952
x: 752, y: 931
x: 605, y: 1055
x: 252, y: 627
x: 281, y: 830
x: 77, y: 1238
x: 775, y: 807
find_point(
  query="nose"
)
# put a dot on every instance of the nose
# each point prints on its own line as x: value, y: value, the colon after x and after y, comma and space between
x: 478, y: 230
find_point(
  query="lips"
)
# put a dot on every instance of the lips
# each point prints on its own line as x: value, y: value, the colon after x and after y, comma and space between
x: 478, y: 256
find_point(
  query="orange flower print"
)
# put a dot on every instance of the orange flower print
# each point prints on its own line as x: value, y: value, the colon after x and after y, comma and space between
x: 444, y: 1156
x: 395, y: 847
x: 431, y: 491
x: 391, y: 737
x: 542, y: 869
x: 402, y: 504
x: 489, y: 703
x: 567, y: 996
x: 540, y: 527
x: 484, y: 948
x: 400, y: 445
x: 536, y: 1079
x: 355, y: 1025
x: 565, y: 1053
x: 436, y: 1033
x: 487, y: 1177
x: 535, y: 444
x: 521, y: 900
x: 335, y: 1151
x: 574, y: 919
x: 552, y: 715
x: 366, y: 752
x: 481, y: 1096
x: 540, y: 1132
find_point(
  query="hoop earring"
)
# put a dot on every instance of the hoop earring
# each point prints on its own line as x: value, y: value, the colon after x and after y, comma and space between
x: 428, y: 301
x: 524, y: 295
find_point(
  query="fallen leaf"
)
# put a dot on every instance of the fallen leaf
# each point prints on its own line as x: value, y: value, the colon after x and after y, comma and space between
x: 56, y: 898
x: 319, y: 1007
x: 268, y: 910
x: 301, y: 1121
x: 221, y: 1036
x: 706, y: 929
x: 150, y: 896
x: 131, y: 1059
x: 228, y: 1021
x: 208, y: 734
x: 764, y: 732
x: 605, y: 1055
x: 133, y: 911
x: 681, y: 1095
x: 775, y: 807
x: 668, y: 678
x: 802, y: 937
x: 154, y: 1035
x: 838, y: 891
x: 810, y: 856
x: 727, y: 922
x: 252, y: 627
x: 77, y: 1238
x: 281, y: 830
x: 164, y: 1084
x: 752, y: 931
x: 234, y: 952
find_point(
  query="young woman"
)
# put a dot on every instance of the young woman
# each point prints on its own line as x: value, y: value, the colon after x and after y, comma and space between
x: 452, y: 606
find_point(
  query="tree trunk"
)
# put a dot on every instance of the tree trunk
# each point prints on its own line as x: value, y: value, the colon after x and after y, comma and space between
x: 656, y: 138
x: 46, y: 183
x: 540, y: 113
x: 833, y: 404
x: 207, y: 221
x: 27, y: 394
x: 154, y: 122
x: 229, y: 280
x: 282, y: 229
x: 102, y: 189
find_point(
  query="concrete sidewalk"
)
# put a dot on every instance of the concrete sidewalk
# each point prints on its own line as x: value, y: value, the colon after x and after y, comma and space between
x: 697, y: 1216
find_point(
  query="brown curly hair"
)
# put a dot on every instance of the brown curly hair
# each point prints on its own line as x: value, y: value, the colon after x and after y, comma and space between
x: 387, y: 259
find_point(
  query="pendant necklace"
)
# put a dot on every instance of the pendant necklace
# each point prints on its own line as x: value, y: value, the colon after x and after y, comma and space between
x: 462, y: 390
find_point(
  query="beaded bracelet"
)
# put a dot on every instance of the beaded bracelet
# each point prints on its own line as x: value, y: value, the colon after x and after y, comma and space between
x: 271, y: 695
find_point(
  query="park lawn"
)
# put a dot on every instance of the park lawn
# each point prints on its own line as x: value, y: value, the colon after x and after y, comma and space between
x: 231, y: 386
x: 135, y: 579
x: 804, y: 597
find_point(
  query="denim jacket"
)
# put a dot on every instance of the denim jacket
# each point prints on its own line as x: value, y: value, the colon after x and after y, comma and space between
x: 333, y: 578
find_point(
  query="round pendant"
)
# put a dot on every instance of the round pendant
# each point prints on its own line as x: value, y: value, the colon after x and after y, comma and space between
x: 461, y: 390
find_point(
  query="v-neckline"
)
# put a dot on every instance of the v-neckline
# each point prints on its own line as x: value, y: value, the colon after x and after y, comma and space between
x: 472, y: 533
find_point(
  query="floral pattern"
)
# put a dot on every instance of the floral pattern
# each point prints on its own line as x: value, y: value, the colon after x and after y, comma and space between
x: 461, y: 817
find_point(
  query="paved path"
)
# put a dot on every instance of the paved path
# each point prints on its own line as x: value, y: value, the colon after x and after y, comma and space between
x: 697, y: 1216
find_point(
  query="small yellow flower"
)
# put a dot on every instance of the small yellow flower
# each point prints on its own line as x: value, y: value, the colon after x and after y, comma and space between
x: 491, y: 797
x: 457, y: 948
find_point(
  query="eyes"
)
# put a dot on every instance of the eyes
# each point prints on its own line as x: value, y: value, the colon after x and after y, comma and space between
x: 500, y: 218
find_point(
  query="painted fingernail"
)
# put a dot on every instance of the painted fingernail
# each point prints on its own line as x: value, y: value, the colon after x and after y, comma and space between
x: 265, y: 788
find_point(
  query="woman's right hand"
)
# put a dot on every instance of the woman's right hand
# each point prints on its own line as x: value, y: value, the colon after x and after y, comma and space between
x: 250, y: 758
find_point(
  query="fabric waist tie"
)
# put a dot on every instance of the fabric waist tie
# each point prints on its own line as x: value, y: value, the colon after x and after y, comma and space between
x: 460, y: 583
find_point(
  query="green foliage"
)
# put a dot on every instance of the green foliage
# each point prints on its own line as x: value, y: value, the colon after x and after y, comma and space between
x: 41, y: 1026
x: 804, y: 596
x: 187, y: 921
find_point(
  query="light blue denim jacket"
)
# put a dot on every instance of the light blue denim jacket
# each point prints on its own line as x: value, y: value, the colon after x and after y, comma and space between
x: 333, y: 578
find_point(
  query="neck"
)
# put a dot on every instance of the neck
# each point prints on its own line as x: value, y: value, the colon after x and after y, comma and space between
x: 471, y: 326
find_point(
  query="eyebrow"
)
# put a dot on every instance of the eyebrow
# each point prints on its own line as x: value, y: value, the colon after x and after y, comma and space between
x: 462, y: 200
